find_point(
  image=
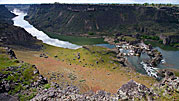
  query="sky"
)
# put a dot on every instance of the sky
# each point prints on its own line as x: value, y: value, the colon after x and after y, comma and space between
x: 86, y: 1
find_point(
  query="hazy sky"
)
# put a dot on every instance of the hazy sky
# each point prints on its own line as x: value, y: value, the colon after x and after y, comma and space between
x: 87, y: 1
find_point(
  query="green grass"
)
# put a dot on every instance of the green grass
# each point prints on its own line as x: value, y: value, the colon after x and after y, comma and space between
x: 26, y: 97
x: 176, y: 73
x: 150, y: 37
x: 5, y: 62
x: 47, y: 86
x: 22, y: 75
x: 77, y: 40
x: 25, y: 77
x: 170, y: 34
x: 176, y: 45
x: 164, y: 47
x: 88, y: 57
x: 129, y: 39
x: 164, y: 96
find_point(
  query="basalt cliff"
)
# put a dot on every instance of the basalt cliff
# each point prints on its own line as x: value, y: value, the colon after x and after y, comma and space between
x: 13, y: 35
x: 106, y: 20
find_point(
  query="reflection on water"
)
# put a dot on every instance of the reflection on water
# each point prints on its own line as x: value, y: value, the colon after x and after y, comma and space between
x: 106, y: 45
x: 171, y: 59
x: 19, y: 21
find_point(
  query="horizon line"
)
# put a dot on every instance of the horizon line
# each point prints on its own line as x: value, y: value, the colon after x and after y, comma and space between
x: 86, y: 3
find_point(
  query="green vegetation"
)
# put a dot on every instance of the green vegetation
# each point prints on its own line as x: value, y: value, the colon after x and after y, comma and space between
x: 156, y: 41
x: 129, y: 39
x: 165, y: 96
x: 47, y: 86
x: 25, y: 78
x: 164, y: 47
x: 146, y: 4
x: 90, y: 56
x: 26, y: 97
x: 19, y: 73
x: 91, y: 33
x: 152, y: 37
x: 77, y: 40
x: 176, y: 45
x: 157, y: 5
x: 176, y: 73
x: 82, y: 80
x: 5, y: 62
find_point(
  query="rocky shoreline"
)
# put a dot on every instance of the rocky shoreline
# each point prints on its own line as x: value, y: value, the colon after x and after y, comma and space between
x: 126, y: 49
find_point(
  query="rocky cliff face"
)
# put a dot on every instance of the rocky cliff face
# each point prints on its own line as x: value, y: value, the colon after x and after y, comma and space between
x: 12, y: 35
x: 103, y: 19
x: 5, y: 15
x: 170, y: 39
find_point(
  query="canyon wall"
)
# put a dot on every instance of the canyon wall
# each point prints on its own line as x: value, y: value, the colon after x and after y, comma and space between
x: 13, y: 35
x: 103, y: 19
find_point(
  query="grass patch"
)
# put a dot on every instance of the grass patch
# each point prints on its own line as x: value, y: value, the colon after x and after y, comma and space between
x: 129, y: 39
x: 47, y: 86
x: 77, y: 40
x: 5, y: 61
x: 82, y: 80
x: 164, y: 47
x: 20, y: 73
x: 93, y: 57
x: 26, y: 97
x: 150, y: 37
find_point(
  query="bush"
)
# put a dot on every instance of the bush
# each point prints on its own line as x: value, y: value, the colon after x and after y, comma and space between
x: 150, y: 37
x: 47, y: 86
x: 146, y: 4
x: 90, y: 33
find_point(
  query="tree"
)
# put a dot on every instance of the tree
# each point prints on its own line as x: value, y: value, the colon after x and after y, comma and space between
x: 146, y: 4
x: 153, y: 4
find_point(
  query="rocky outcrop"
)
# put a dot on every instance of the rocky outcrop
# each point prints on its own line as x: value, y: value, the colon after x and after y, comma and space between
x: 11, y: 53
x: 170, y: 39
x: 71, y: 93
x: 121, y: 60
x: 155, y: 56
x: 7, y: 97
x: 129, y: 91
x: 7, y: 84
x: 168, y: 88
x: 12, y: 35
x: 133, y: 90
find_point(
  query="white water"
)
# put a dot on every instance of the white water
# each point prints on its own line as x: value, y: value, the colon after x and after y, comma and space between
x: 19, y: 21
x: 151, y: 71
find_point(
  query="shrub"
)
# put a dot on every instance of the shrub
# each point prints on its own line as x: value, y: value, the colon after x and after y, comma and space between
x: 146, y: 4
x: 47, y: 86
x: 90, y: 33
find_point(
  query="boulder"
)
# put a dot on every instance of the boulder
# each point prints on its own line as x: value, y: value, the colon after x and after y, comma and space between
x: 7, y: 97
x: 11, y: 53
x: 132, y: 90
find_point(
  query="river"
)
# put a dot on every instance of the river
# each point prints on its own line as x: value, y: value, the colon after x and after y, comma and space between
x: 171, y: 58
x: 19, y: 21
